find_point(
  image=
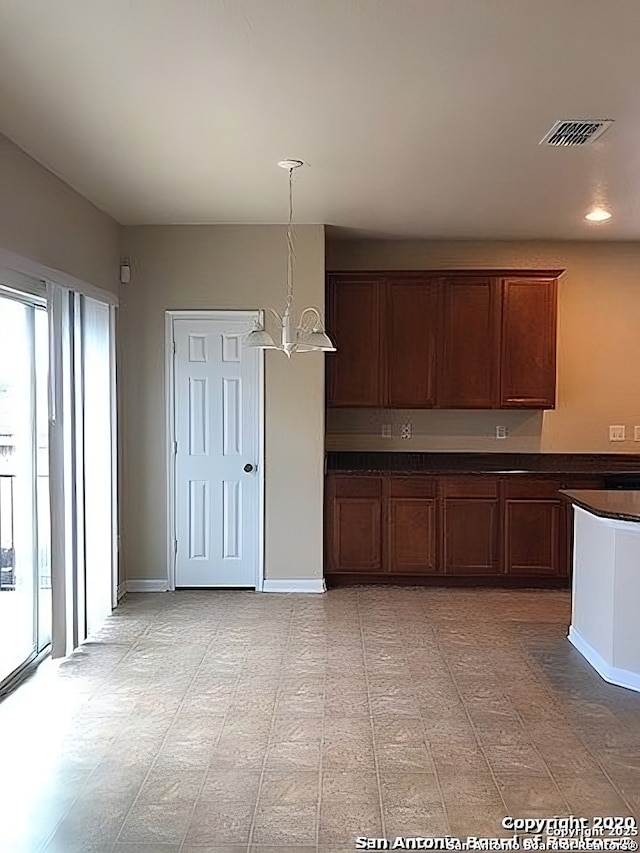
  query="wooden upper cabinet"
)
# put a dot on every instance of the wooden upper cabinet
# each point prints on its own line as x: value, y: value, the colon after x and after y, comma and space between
x: 354, y: 372
x: 411, y: 324
x: 469, y: 352
x: 455, y: 340
x: 528, y: 351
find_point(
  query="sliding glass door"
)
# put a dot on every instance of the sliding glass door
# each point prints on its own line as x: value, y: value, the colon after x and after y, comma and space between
x: 43, y: 515
x: 57, y: 472
x: 82, y: 465
x: 25, y: 575
x: 58, y: 485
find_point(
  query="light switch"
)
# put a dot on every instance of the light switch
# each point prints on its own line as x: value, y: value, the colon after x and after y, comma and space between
x: 502, y: 432
x: 616, y: 433
x: 636, y: 433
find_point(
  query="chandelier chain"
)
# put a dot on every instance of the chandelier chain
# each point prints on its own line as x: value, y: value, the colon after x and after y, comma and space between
x: 290, y: 246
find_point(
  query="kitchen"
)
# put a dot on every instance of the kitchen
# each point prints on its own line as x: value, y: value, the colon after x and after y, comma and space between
x: 474, y: 348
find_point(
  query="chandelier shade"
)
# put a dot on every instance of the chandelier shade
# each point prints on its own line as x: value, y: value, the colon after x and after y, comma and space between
x: 259, y: 338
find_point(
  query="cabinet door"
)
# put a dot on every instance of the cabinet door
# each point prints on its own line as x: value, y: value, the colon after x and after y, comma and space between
x: 354, y: 372
x: 535, y: 529
x: 469, y: 346
x: 412, y: 523
x: 412, y: 319
x: 528, y: 356
x: 532, y: 544
x: 471, y: 517
x: 354, y: 524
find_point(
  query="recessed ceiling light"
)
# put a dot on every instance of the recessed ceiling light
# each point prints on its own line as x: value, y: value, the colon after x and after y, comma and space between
x: 598, y: 214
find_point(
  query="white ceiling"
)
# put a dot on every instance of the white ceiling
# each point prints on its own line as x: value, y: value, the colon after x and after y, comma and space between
x: 418, y: 118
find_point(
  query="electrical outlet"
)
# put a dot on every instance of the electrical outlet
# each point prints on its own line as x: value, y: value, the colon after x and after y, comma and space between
x: 636, y: 433
x: 616, y: 433
x: 386, y: 431
x: 502, y: 432
x: 405, y: 430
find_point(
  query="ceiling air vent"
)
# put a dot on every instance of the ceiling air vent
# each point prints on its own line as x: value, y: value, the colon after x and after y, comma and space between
x: 576, y: 132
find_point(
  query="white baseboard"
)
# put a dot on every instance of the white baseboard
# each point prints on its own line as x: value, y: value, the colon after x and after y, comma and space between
x: 147, y: 585
x: 122, y: 588
x: 294, y: 585
x: 612, y: 674
x: 306, y: 585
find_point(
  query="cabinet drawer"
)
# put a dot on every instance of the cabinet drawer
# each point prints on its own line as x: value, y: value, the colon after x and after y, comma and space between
x: 533, y: 489
x: 469, y: 487
x: 357, y: 487
x: 412, y: 487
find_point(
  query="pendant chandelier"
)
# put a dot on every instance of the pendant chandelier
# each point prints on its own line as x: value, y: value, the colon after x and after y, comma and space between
x: 309, y: 335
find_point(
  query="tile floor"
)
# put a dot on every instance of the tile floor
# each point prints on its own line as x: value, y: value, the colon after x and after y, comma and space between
x: 230, y: 721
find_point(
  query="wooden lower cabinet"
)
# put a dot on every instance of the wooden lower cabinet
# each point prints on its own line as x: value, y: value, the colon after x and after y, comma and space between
x: 411, y: 525
x: 354, y: 524
x: 534, y: 538
x: 535, y: 529
x: 470, y: 521
x: 465, y: 529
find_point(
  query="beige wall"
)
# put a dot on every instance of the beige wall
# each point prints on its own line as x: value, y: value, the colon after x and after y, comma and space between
x: 598, y: 349
x: 45, y: 220
x: 222, y: 267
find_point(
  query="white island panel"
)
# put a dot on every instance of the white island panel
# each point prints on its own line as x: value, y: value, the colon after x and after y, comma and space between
x: 605, y: 626
x: 626, y: 648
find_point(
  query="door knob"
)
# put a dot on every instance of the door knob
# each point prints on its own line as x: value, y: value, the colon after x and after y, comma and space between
x: 248, y: 467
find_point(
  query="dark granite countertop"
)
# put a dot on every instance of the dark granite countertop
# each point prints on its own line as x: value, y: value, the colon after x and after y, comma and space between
x: 621, y: 505
x: 381, y: 462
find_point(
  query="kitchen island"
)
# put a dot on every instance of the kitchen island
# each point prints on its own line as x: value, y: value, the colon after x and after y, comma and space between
x: 606, y: 582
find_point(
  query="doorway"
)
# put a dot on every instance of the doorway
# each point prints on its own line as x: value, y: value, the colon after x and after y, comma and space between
x: 215, y: 451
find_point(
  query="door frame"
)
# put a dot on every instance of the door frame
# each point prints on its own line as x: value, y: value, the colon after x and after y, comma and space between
x: 170, y: 432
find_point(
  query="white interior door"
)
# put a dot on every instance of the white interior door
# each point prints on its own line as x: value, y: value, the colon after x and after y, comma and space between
x: 217, y: 431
